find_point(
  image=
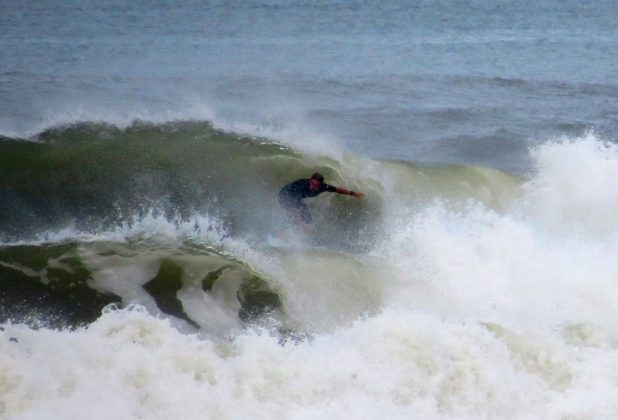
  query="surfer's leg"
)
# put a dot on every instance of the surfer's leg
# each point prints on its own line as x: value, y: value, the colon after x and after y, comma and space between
x: 304, y: 214
x: 304, y: 218
x: 298, y: 215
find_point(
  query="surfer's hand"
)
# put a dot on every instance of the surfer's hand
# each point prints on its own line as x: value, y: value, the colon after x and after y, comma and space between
x: 357, y: 194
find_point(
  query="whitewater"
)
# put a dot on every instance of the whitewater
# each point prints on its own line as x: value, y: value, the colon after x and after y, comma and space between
x: 142, y: 146
x: 460, y: 309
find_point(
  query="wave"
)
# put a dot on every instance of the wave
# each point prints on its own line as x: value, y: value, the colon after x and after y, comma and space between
x: 196, y: 278
x: 96, y: 176
x: 92, y: 214
x: 470, y: 286
x: 145, y: 214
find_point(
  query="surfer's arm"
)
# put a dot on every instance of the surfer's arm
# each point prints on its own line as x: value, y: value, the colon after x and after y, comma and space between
x: 343, y: 191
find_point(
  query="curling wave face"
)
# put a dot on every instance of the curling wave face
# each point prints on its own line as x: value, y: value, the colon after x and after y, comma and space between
x: 95, y: 176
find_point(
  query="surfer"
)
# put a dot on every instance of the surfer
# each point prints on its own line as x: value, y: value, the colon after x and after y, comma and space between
x: 291, y: 197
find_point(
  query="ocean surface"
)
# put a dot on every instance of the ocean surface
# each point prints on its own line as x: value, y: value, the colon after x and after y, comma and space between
x: 146, y: 271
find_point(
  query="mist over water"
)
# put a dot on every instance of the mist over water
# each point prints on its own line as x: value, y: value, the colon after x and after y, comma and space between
x: 141, y: 149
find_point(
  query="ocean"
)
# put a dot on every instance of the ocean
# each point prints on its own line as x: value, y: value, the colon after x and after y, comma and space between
x: 146, y: 267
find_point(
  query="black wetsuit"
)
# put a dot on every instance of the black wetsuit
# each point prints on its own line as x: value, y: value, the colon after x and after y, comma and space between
x: 291, y: 196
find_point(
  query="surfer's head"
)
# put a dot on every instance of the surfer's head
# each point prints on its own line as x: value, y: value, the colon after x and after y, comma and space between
x: 316, y: 181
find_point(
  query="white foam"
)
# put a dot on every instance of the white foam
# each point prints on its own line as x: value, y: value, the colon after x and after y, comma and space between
x: 397, y: 364
x: 151, y: 226
x: 548, y: 260
x: 481, y: 265
x: 574, y: 192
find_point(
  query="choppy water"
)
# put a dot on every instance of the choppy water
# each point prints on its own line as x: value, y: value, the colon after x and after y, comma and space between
x: 142, y: 145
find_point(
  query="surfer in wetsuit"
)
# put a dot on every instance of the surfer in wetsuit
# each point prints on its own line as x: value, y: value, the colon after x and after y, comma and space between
x: 291, y: 196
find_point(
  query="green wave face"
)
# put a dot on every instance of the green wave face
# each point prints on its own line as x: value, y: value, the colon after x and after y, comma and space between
x: 95, y: 177
x: 98, y: 176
